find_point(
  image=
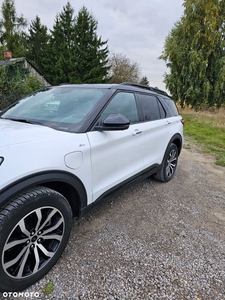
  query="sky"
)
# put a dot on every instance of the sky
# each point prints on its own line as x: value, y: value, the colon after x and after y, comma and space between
x: 135, y: 28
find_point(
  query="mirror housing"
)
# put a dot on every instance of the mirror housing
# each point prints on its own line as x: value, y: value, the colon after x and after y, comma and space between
x: 114, y: 122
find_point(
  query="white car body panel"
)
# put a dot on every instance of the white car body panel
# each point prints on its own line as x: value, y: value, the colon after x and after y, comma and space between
x: 46, y: 149
x: 157, y: 136
x: 115, y: 156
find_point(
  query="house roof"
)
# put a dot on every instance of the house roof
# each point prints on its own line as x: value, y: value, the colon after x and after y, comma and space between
x: 13, y: 60
x: 7, y: 61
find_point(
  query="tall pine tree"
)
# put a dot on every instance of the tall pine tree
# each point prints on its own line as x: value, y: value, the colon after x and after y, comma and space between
x: 62, y: 43
x: 37, y: 45
x: 12, y: 36
x: 91, y: 53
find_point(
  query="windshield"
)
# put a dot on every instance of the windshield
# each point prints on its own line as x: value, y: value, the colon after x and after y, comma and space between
x: 62, y: 107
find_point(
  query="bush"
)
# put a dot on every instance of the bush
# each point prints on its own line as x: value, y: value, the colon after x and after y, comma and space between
x: 16, y: 82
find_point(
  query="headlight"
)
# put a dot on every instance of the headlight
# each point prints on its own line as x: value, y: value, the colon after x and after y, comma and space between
x: 1, y: 160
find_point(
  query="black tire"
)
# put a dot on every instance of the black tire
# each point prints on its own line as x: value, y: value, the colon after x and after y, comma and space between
x: 169, y: 164
x: 34, y: 231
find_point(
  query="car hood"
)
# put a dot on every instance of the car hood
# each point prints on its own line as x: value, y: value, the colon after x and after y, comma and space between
x: 12, y: 132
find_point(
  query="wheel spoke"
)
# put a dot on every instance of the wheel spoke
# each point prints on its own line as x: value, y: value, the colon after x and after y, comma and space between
x: 45, y: 251
x: 39, y: 216
x: 23, y: 228
x: 168, y: 171
x: 24, y: 260
x: 37, y: 260
x: 60, y: 221
x: 14, y: 243
x: 16, y: 259
x: 173, y: 159
x: 52, y: 237
x: 171, y: 169
x: 54, y: 211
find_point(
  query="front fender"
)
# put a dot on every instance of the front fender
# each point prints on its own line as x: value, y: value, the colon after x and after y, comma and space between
x: 43, y: 178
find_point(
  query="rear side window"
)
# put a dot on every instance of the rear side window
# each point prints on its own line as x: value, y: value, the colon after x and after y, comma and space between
x: 150, y: 107
x: 172, y: 106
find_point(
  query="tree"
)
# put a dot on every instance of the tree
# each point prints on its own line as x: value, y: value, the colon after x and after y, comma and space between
x: 62, y: 46
x: 11, y: 29
x: 37, y: 45
x: 123, y: 69
x: 194, y: 51
x: 144, y: 80
x: 91, y: 53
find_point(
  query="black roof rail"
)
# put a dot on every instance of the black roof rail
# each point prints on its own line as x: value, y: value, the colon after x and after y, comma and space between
x: 142, y: 86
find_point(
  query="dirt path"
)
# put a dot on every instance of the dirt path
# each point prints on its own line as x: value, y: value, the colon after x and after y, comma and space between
x: 193, y: 154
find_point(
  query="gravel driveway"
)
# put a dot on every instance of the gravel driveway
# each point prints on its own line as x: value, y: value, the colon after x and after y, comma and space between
x: 150, y: 241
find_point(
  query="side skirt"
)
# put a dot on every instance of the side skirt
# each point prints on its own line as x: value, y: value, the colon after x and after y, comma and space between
x: 119, y: 187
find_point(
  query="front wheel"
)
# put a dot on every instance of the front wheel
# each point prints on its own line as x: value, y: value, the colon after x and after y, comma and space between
x: 34, y: 230
x: 169, y: 164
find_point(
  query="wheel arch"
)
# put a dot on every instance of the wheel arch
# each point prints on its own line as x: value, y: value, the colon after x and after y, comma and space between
x: 63, y: 182
x: 178, y: 141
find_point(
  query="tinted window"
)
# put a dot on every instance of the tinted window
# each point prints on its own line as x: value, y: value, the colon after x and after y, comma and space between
x: 123, y: 103
x: 172, y: 106
x: 150, y: 107
x: 162, y: 110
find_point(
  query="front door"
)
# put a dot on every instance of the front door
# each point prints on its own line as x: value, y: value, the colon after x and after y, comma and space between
x: 117, y: 155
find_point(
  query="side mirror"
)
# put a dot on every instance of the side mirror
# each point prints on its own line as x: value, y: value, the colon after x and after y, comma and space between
x: 114, y: 122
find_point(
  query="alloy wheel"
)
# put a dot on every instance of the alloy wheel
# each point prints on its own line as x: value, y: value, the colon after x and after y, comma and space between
x: 33, y: 242
x: 171, y: 163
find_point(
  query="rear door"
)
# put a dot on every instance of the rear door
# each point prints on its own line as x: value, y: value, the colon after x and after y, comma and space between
x: 117, y: 155
x: 157, y: 131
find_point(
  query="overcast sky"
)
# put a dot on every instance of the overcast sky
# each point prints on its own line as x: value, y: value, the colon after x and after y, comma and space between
x: 135, y: 28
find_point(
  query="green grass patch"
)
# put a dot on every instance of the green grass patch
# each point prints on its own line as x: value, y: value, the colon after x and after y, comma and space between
x: 204, y: 131
x: 49, y: 288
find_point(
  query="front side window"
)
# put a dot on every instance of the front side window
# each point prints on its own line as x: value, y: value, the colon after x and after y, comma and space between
x: 123, y: 103
x: 62, y: 107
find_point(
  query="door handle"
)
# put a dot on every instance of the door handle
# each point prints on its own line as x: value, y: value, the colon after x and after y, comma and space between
x: 168, y: 122
x: 137, y: 131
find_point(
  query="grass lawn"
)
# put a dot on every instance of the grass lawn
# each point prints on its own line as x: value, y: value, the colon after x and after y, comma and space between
x: 208, y: 130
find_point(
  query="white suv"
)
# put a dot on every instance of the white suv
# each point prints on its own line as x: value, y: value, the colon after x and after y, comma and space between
x: 56, y: 161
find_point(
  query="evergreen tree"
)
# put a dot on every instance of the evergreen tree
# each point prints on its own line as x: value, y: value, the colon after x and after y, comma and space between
x: 195, y: 53
x: 37, y: 45
x: 62, y: 43
x: 90, y: 52
x: 11, y: 29
x: 144, y: 80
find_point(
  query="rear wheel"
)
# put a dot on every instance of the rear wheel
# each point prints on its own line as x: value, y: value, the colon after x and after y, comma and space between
x: 169, y: 164
x: 34, y: 230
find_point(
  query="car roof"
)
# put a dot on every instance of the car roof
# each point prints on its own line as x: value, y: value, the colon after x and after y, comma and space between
x: 124, y: 85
